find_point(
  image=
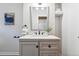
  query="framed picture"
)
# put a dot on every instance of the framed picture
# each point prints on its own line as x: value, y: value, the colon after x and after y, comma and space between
x: 9, y: 18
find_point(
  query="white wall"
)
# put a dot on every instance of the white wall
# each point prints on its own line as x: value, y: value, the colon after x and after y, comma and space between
x: 65, y: 28
x: 9, y: 45
x: 26, y: 15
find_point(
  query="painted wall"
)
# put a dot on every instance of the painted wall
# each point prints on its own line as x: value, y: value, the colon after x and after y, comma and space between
x: 8, y: 44
x: 26, y: 15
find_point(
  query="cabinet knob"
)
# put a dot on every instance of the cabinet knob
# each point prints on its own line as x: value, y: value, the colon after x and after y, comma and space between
x: 37, y: 46
x: 49, y: 46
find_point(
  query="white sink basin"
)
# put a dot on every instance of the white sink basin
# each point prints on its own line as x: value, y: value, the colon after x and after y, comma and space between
x: 39, y: 37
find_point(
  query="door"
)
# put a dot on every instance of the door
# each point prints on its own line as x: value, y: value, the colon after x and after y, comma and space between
x: 75, y: 30
x: 70, y: 36
x: 28, y: 48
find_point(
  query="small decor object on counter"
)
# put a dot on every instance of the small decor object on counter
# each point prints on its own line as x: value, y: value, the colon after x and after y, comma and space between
x: 9, y: 18
x: 25, y: 30
x: 48, y: 30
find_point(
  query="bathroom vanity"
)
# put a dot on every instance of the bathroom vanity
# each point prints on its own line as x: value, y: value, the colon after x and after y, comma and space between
x: 44, y: 21
x: 30, y: 45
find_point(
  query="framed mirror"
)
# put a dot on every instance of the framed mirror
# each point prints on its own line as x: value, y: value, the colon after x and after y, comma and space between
x: 39, y: 18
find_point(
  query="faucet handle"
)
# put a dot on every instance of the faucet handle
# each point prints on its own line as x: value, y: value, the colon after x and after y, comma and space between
x: 36, y: 33
x: 42, y: 33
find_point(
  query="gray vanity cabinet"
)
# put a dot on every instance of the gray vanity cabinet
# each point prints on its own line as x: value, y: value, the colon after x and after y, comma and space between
x: 29, y: 48
x: 40, y: 47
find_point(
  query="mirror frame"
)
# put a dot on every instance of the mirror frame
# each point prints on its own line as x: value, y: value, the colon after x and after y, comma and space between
x: 31, y: 19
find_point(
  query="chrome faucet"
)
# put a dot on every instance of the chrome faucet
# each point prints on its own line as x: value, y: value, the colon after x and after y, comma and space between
x: 39, y: 32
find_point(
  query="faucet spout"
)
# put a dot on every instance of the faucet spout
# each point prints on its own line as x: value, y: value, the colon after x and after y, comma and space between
x: 39, y: 32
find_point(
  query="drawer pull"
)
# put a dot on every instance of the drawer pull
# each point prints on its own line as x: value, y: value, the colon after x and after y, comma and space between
x: 49, y: 46
x: 37, y: 46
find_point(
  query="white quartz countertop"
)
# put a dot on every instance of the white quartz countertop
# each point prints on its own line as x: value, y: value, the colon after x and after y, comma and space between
x: 39, y: 37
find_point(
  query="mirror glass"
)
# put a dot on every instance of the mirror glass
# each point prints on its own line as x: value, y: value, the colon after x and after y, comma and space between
x: 39, y: 18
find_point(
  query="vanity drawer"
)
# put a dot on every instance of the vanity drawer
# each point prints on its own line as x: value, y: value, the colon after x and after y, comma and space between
x: 49, y: 45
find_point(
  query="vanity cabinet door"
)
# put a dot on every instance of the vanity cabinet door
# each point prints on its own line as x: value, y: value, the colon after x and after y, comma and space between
x: 50, y: 48
x: 29, y: 48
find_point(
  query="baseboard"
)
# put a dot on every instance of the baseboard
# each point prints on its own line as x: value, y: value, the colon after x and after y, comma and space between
x: 9, y: 53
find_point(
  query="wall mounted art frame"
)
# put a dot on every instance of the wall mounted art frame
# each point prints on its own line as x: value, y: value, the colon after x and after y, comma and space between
x: 9, y: 18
